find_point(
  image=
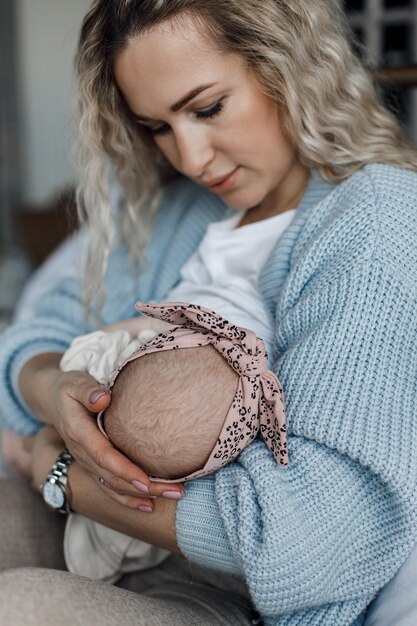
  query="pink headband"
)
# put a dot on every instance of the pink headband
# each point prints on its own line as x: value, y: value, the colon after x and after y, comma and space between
x: 258, y: 405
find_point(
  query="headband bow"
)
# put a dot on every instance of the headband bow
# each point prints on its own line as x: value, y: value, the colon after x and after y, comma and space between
x: 258, y: 405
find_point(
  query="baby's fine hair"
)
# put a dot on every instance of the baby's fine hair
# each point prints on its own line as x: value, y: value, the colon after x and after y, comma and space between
x: 168, y: 408
x: 301, y: 54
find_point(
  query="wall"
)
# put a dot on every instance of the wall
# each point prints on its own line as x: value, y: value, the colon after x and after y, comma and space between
x: 47, y: 32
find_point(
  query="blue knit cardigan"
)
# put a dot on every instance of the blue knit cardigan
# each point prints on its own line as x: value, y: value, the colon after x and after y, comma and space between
x: 317, y: 540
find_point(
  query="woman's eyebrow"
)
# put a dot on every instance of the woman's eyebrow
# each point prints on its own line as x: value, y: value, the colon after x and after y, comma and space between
x: 181, y: 103
x: 190, y: 96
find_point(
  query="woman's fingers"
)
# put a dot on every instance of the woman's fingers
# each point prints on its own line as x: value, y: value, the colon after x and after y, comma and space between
x: 94, y: 452
x: 118, y: 485
x: 97, y: 456
x: 132, y: 502
x: 118, y: 466
x: 89, y: 446
x: 172, y: 491
x: 123, y: 476
x: 156, y: 489
x: 165, y: 490
x: 88, y: 392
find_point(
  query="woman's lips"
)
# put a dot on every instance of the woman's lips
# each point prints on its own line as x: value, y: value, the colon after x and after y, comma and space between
x: 222, y: 183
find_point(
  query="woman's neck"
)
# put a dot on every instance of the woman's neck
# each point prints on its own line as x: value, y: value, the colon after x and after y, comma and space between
x: 282, y: 199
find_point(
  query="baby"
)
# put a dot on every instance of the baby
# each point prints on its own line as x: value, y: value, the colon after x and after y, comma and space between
x: 185, y: 402
x: 159, y: 400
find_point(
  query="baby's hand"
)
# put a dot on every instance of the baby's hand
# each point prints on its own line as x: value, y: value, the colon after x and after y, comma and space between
x: 136, y: 324
x: 17, y: 452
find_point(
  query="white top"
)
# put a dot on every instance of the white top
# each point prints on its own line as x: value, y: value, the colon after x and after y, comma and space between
x: 223, y: 273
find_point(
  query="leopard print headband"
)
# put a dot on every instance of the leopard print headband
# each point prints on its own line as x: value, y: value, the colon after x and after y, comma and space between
x: 258, y: 405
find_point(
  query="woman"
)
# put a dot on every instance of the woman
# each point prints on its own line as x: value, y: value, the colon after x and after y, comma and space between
x: 265, y: 106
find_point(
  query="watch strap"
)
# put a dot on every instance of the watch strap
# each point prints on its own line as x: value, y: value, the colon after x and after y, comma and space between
x: 58, y: 474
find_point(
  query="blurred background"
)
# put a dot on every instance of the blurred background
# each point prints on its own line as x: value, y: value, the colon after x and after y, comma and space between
x: 37, y: 181
x: 37, y: 44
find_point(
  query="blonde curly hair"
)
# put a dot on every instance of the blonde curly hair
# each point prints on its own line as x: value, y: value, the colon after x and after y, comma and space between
x: 301, y: 53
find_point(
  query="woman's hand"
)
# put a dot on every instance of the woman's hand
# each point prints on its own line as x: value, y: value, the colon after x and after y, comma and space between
x: 87, y: 498
x: 46, y: 446
x: 69, y: 402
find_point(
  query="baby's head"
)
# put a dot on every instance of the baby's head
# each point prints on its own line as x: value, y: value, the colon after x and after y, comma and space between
x: 189, y: 400
x: 168, y: 408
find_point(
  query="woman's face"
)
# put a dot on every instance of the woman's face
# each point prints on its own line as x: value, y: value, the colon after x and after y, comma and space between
x: 209, y: 117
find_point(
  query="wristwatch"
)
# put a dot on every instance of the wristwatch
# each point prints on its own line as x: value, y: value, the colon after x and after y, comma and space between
x: 55, y: 488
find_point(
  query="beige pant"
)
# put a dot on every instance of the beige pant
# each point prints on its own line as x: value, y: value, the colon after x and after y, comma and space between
x: 34, y: 592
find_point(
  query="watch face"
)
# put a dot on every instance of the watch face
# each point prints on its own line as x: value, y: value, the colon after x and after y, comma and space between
x: 53, y: 495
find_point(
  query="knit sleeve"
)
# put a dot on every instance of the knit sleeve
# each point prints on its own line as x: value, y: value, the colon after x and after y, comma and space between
x: 316, y: 541
x: 59, y: 318
x: 182, y: 219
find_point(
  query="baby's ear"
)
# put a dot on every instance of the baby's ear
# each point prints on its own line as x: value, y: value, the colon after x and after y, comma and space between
x: 100, y: 423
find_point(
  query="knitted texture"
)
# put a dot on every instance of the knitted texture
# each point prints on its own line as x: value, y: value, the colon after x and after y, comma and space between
x: 317, y: 540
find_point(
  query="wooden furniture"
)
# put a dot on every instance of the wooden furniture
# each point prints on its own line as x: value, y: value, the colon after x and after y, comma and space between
x: 400, y: 76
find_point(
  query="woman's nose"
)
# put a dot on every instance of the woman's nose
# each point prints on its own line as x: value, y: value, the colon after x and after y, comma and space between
x: 195, y: 152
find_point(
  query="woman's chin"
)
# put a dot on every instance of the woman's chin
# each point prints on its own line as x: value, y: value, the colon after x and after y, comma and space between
x: 241, y: 199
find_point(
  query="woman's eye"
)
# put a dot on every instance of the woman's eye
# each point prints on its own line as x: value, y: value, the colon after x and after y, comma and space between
x: 211, y: 112
x: 160, y: 130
